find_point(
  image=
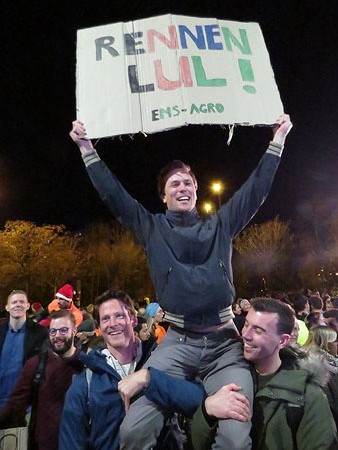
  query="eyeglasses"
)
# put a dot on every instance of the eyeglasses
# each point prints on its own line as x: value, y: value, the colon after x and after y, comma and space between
x: 63, y: 331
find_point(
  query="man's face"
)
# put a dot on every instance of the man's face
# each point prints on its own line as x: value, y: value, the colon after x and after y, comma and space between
x: 236, y: 309
x: 144, y: 333
x: 180, y: 191
x: 64, y: 304
x: 17, y: 306
x: 116, y: 324
x: 82, y: 337
x: 61, y: 335
x: 262, y: 341
x: 294, y: 333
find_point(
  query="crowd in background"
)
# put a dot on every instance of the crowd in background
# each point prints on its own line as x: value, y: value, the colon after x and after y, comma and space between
x: 24, y: 332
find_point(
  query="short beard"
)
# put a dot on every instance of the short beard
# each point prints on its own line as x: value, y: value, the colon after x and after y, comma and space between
x: 67, y: 344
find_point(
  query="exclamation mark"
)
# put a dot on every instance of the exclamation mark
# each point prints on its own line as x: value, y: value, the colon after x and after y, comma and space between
x: 247, y: 75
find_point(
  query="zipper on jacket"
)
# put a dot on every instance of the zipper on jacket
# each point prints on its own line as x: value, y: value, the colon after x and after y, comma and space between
x: 166, y: 279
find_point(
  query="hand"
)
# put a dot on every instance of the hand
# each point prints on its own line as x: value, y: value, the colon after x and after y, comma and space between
x: 281, y: 129
x: 228, y: 403
x: 132, y: 385
x: 78, y: 134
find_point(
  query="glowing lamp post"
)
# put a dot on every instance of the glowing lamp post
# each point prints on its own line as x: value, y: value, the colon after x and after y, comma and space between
x: 207, y: 207
x: 217, y: 188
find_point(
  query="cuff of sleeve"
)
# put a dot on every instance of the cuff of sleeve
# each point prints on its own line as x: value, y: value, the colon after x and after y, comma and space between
x: 90, y: 158
x: 275, y: 149
x: 211, y: 420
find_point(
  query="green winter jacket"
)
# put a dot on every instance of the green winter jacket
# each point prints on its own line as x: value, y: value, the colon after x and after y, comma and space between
x: 288, y: 389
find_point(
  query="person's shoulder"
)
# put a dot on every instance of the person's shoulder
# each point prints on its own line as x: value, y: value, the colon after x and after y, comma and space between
x: 31, y: 364
x: 94, y: 360
x: 3, y: 322
x: 78, y: 390
x: 36, y: 327
x: 74, y: 308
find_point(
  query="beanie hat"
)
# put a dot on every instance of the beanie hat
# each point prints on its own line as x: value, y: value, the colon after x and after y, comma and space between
x: 87, y: 327
x: 151, y: 310
x: 66, y: 292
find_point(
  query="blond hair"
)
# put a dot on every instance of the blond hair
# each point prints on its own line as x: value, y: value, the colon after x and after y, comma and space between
x: 320, y: 337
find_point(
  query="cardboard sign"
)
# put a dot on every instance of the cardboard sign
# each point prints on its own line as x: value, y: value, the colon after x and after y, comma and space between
x: 14, y: 438
x: 168, y: 71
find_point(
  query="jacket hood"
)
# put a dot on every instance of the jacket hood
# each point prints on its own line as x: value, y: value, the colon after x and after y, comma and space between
x: 318, y: 367
x: 290, y: 357
x: 315, y: 364
x: 96, y: 362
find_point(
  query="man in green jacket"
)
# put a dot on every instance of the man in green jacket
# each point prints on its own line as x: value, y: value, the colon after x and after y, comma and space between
x: 290, y: 408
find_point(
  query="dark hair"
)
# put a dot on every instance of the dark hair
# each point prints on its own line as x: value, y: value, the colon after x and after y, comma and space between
x: 315, y: 303
x: 312, y: 319
x: 331, y: 313
x: 334, y: 301
x: 142, y: 304
x: 140, y: 322
x: 286, y: 317
x: 63, y: 314
x: 113, y: 294
x: 299, y: 303
x: 165, y: 172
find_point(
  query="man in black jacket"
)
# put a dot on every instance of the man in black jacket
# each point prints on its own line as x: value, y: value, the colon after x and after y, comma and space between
x: 20, y: 338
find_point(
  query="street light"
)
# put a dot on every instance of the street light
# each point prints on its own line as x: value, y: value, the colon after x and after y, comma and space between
x: 207, y: 207
x: 217, y: 188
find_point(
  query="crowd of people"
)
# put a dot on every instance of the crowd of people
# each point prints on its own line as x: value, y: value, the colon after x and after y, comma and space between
x: 218, y: 375
x: 89, y: 384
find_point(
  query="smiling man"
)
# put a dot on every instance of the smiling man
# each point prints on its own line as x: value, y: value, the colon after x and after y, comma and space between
x: 290, y: 410
x: 190, y: 265
x: 177, y: 186
x: 60, y: 364
x: 20, y: 338
x: 96, y: 402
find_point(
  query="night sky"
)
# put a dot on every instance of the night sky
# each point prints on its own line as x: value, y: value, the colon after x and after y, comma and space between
x: 42, y: 175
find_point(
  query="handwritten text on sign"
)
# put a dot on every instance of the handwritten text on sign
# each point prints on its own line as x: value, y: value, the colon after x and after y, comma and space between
x: 170, y: 71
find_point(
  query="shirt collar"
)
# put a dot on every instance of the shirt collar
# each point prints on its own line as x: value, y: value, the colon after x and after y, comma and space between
x: 110, y: 357
x: 19, y: 330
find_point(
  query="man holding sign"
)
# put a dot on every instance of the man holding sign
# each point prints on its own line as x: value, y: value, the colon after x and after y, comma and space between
x: 190, y: 265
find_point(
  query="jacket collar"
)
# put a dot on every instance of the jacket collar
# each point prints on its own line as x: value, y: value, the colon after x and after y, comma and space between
x: 185, y: 218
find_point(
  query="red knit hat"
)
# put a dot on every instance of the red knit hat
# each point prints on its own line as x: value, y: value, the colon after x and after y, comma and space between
x: 66, y: 292
x: 36, y: 307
